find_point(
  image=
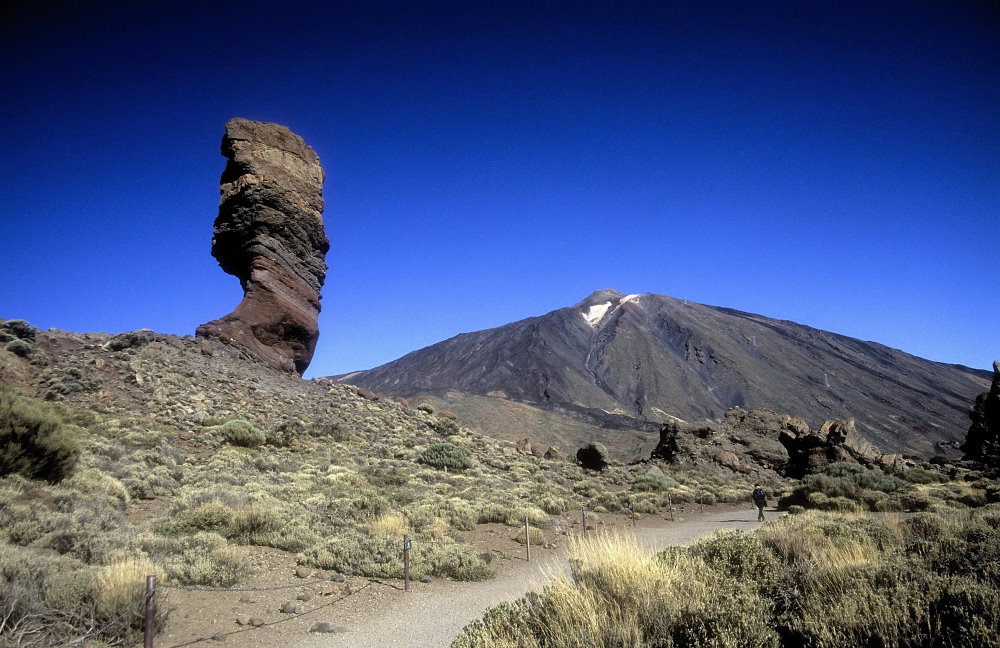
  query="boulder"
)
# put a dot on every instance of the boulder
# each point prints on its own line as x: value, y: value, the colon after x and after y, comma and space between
x: 553, y: 454
x: 982, y: 443
x: 269, y: 234
x: 593, y: 456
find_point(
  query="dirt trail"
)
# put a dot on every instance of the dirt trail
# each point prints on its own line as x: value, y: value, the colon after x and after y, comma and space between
x: 379, y: 614
x: 433, y: 615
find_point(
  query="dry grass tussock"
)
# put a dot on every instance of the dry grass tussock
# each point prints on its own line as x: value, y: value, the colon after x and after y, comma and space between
x: 817, y: 579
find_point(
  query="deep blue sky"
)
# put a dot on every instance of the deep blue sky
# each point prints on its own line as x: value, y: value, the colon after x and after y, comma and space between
x: 832, y: 163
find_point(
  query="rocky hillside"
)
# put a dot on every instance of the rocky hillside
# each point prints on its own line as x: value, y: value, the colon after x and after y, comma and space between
x: 630, y: 362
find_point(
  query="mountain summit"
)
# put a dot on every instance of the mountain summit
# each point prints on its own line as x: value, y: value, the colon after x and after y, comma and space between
x: 632, y: 362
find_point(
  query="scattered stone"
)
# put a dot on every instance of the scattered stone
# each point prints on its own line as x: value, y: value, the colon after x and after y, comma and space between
x: 243, y: 620
x: 303, y: 572
x: 337, y: 578
x: 219, y: 636
x: 425, y: 579
x: 328, y: 627
x: 257, y: 622
x: 327, y: 589
x: 269, y: 234
x: 291, y: 607
x: 304, y: 596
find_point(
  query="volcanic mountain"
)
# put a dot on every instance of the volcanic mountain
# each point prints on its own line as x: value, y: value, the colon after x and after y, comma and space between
x: 631, y: 362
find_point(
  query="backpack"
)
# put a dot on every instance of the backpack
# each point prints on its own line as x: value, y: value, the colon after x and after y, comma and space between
x: 758, y: 497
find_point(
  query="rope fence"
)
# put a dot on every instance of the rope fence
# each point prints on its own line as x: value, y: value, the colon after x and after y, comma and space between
x: 149, y: 598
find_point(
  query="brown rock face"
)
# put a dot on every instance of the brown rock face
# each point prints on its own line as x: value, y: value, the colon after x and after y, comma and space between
x: 269, y: 234
x: 982, y: 443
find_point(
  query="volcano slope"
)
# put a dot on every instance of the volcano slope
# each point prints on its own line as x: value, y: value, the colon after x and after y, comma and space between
x: 628, y: 363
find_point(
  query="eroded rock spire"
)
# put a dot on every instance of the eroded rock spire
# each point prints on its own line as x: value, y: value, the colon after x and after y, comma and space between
x: 269, y: 234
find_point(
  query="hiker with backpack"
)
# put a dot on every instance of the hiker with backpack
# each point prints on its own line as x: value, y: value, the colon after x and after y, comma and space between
x: 760, y: 499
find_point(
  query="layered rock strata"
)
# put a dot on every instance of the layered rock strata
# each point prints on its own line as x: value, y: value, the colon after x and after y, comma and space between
x: 269, y: 234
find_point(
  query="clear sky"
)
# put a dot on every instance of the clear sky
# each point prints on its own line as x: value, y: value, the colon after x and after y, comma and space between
x: 832, y: 163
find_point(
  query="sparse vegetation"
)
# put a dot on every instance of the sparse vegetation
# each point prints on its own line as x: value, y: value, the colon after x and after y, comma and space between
x: 186, y: 458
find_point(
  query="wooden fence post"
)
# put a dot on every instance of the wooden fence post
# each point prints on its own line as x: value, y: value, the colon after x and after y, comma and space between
x: 406, y: 562
x: 527, y: 539
x: 149, y: 628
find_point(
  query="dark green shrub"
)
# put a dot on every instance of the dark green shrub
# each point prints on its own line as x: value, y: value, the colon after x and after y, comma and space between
x: 20, y: 348
x: 447, y: 456
x: 127, y: 340
x: 34, y: 442
x: 243, y: 434
x: 20, y: 329
x: 426, y: 407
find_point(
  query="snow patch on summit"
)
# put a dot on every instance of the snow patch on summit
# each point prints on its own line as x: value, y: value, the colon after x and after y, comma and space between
x: 596, y: 313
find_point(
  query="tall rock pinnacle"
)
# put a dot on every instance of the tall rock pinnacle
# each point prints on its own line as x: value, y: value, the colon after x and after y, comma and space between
x: 269, y: 234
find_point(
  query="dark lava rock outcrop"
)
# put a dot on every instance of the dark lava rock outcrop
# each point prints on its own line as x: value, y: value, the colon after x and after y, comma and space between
x: 744, y: 442
x: 982, y: 443
x: 269, y: 234
x: 835, y: 441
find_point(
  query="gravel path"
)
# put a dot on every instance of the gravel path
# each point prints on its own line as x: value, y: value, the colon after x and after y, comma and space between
x: 433, y: 615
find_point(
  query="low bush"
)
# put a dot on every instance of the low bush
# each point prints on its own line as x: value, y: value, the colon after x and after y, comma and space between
x: 445, y: 426
x: 20, y: 329
x: 21, y: 348
x: 242, y: 434
x: 845, y: 487
x: 34, y: 441
x: 657, y: 482
x: 535, y: 535
x: 127, y: 340
x: 447, y: 456
x: 380, y: 556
